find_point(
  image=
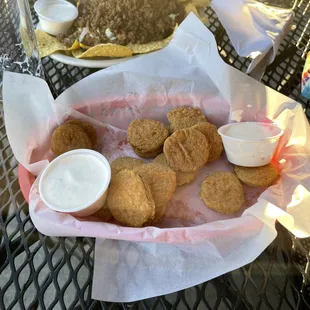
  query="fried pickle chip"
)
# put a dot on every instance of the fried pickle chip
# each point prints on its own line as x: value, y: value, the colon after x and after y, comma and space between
x: 104, y: 214
x: 104, y: 50
x: 48, y: 45
x: 222, y: 192
x: 147, y: 137
x: 159, y: 213
x: 130, y: 200
x: 257, y: 176
x: 186, y: 150
x: 68, y: 137
x: 213, y: 137
x: 161, y: 179
x: 182, y: 177
x: 184, y: 117
x: 88, y: 128
x: 122, y: 163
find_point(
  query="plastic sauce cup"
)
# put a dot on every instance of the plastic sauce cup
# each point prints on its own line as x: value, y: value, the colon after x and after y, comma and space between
x: 76, y: 182
x: 56, y: 16
x: 250, y: 144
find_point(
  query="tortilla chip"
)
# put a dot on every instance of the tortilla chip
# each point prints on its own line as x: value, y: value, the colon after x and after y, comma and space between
x: 48, y: 45
x: 201, y: 3
x: 77, y: 53
x: 74, y: 46
x: 189, y: 7
x: 197, y: 3
x: 149, y: 47
x: 104, y: 50
x: 85, y: 47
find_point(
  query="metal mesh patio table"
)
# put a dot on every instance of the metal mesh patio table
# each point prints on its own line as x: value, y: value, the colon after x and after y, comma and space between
x: 41, y: 272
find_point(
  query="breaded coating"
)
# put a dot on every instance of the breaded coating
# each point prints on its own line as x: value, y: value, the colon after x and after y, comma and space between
x: 122, y: 163
x: 186, y: 150
x: 184, y: 117
x: 88, y: 128
x: 222, y: 192
x: 147, y: 155
x: 104, y: 214
x: 257, y: 176
x: 130, y: 200
x: 182, y: 177
x: 159, y: 213
x: 162, y: 182
x: 69, y: 137
x: 147, y: 137
x: 213, y: 137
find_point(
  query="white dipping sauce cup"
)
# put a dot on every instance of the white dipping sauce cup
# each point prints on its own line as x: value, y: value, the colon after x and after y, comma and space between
x: 56, y: 16
x: 250, y: 144
x: 76, y: 182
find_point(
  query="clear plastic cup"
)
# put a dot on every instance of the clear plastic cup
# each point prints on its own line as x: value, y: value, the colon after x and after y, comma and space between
x: 18, y: 46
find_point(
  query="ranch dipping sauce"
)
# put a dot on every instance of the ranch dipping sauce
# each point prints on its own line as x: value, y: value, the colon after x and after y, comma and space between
x: 59, y: 12
x: 56, y: 17
x: 250, y: 144
x: 76, y: 182
x: 252, y: 131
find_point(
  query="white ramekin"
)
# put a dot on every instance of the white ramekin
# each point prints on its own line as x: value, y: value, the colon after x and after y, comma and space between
x: 252, y: 151
x: 96, y: 202
x: 52, y: 25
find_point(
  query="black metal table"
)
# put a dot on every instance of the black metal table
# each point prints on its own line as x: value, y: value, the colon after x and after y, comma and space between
x: 40, y: 272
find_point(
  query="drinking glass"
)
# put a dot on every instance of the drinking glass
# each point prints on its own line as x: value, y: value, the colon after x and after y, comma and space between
x: 18, y: 46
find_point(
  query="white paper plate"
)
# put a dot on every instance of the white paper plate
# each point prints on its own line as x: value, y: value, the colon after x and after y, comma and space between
x: 88, y: 63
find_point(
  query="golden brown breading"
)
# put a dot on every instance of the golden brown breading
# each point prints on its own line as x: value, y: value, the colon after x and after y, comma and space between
x: 130, y: 200
x: 257, y: 176
x: 186, y: 150
x: 213, y: 137
x: 222, y: 192
x: 182, y: 177
x: 147, y: 137
x: 184, y: 117
x: 104, y: 214
x: 122, y: 163
x: 88, y: 128
x: 69, y: 137
x: 159, y: 212
x: 147, y: 155
x: 162, y: 182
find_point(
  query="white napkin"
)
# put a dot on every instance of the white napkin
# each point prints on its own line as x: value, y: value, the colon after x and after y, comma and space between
x: 255, y: 30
